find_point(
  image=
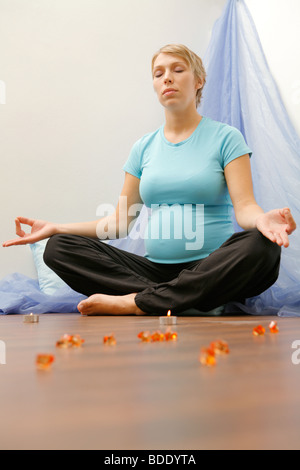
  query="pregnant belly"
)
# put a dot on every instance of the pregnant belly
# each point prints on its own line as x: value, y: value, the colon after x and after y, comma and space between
x: 186, y: 232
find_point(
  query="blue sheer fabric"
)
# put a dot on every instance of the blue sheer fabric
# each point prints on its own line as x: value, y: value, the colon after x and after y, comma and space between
x: 21, y: 294
x: 241, y: 91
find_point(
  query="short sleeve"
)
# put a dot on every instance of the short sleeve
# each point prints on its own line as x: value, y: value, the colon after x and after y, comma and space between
x: 133, y: 163
x: 233, y: 146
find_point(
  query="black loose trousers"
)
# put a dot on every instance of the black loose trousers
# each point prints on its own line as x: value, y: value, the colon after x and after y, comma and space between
x: 244, y: 266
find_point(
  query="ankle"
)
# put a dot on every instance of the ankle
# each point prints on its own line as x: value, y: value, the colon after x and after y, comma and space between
x: 133, y: 305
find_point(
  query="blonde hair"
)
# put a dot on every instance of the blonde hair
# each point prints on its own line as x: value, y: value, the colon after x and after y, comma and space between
x: 188, y: 56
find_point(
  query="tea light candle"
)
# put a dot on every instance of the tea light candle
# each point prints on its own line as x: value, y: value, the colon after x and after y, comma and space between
x: 31, y: 318
x: 168, y: 320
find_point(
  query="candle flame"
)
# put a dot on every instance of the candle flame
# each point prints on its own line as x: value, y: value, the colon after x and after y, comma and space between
x: 169, y: 313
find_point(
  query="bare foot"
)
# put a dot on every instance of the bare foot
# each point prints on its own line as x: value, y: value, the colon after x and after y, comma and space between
x: 102, y: 304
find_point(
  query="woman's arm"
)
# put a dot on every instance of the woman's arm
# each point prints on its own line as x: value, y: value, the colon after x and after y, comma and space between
x: 239, y: 182
x: 275, y: 225
x: 41, y: 229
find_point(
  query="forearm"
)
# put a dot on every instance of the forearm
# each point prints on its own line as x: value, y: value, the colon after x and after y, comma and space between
x: 246, y: 216
x: 84, y: 229
x: 107, y: 228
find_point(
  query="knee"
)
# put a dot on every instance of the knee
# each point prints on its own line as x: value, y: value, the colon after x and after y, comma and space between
x: 51, y: 252
x: 262, y: 250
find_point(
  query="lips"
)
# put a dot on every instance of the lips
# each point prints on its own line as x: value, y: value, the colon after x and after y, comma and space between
x: 169, y: 91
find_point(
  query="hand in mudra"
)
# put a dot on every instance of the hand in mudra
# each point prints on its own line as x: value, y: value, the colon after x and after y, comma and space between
x: 276, y: 225
x: 40, y: 229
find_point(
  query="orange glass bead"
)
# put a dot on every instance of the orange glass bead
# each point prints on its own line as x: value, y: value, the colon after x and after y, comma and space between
x: 170, y: 336
x: 62, y: 344
x: 207, y: 357
x: 157, y: 336
x: 64, y: 341
x: 220, y: 347
x: 273, y: 327
x: 259, y: 330
x: 44, y: 361
x: 144, y: 336
x: 77, y: 341
x: 110, y: 340
x: 69, y: 341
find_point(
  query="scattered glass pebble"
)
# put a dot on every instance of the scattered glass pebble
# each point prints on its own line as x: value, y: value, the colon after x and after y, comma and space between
x: 146, y: 336
x: 220, y: 347
x: 157, y: 336
x: 44, y: 361
x: 69, y: 341
x: 109, y: 340
x: 259, y: 330
x: 273, y: 327
x: 207, y: 357
x: 171, y: 336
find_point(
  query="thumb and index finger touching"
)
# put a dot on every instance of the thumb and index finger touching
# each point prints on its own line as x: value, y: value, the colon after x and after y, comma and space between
x: 286, y: 213
x: 23, y: 237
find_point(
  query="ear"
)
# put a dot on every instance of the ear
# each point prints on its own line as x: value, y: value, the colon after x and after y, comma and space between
x: 199, y: 83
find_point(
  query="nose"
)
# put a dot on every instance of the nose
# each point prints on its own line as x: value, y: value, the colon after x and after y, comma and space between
x: 168, y: 77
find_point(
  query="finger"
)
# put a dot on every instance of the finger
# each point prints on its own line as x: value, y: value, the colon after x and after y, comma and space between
x: 282, y: 238
x: 25, y: 220
x: 291, y: 224
x: 14, y: 241
x: 289, y: 219
x: 285, y: 214
x: 285, y: 240
x: 20, y: 241
x: 270, y: 236
x: 279, y: 240
x: 19, y: 230
x: 282, y: 213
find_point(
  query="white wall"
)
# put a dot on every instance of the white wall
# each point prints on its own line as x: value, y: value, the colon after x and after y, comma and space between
x: 79, y: 94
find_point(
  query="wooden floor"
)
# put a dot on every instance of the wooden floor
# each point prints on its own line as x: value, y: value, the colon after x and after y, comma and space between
x: 149, y: 395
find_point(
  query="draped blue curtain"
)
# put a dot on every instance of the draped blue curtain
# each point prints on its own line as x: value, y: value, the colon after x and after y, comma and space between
x: 241, y: 91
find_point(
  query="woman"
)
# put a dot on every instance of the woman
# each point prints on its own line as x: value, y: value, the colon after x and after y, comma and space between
x: 190, y: 172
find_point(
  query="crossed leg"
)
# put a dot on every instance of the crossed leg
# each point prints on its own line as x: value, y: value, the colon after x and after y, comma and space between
x: 121, y: 283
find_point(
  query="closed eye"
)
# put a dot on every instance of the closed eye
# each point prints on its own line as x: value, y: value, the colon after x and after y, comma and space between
x: 157, y: 75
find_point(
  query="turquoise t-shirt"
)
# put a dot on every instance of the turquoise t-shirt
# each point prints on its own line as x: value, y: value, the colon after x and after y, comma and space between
x: 184, y: 187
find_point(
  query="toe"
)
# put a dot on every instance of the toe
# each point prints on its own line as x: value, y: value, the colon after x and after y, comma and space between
x: 82, y: 307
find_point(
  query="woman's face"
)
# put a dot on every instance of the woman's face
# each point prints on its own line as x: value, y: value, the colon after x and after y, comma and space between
x: 174, y: 81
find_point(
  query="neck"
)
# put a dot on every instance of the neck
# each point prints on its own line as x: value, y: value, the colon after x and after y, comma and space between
x: 178, y: 122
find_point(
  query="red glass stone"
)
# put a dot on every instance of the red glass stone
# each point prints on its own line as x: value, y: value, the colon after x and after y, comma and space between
x: 220, y: 347
x: 144, y: 336
x: 69, y: 341
x: 110, y: 340
x: 273, y: 327
x: 77, y: 341
x: 259, y: 330
x: 157, y: 336
x: 44, y: 361
x: 207, y: 357
x: 171, y: 336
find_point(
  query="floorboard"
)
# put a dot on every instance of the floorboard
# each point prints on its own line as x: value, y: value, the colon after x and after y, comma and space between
x: 149, y: 395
